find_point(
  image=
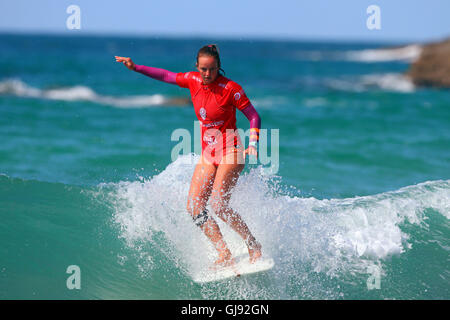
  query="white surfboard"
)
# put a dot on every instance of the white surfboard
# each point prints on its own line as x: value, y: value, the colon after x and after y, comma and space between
x: 240, y: 253
x: 242, y: 267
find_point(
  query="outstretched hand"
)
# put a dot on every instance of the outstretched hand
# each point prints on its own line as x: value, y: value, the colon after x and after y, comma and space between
x: 126, y: 61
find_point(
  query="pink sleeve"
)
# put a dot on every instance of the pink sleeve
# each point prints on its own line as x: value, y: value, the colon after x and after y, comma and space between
x: 255, y: 123
x: 252, y: 116
x: 156, y: 73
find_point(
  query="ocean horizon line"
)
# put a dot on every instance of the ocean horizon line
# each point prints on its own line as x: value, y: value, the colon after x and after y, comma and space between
x: 222, y: 37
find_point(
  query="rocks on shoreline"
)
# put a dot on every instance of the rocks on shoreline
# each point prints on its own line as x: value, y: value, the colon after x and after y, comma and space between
x: 432, y: 68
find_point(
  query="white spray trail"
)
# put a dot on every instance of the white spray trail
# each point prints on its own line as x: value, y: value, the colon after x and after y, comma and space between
x: 329, y: 236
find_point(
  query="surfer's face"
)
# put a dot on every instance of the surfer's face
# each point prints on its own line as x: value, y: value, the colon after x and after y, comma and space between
x: 207, y: 66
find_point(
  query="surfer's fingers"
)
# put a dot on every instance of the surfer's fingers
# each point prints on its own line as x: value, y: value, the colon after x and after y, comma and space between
x: 123, y: 59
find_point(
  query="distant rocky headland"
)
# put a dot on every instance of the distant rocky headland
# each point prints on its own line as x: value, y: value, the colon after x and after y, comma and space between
x: 432, y: 67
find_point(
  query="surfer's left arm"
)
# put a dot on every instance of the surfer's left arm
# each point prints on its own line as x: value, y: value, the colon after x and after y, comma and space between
x: 255, y: 125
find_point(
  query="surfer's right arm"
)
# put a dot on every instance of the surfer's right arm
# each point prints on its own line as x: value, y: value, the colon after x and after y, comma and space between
x: 155, y: 73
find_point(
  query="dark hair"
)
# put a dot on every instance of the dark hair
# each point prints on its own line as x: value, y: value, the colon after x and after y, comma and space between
x: 213, y: 51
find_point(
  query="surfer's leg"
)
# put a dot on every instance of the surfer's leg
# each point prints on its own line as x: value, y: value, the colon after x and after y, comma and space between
x: 199, y: 193
x: 226, y: 177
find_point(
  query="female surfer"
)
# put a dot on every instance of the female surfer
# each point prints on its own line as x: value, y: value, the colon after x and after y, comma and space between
x: 215, y: 99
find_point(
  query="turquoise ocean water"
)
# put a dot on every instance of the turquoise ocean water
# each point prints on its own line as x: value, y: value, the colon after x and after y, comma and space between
x: 357, y: 206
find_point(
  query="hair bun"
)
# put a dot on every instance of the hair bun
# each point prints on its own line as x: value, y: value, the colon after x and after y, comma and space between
x: 213, y: 47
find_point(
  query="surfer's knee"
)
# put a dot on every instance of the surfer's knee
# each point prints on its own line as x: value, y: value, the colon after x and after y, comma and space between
x: 218, y: 207
x: 223, y: 211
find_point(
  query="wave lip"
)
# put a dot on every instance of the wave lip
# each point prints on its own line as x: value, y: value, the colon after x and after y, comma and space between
x: 372, y: 223
x: 82, y: 93
x: 408, y: 53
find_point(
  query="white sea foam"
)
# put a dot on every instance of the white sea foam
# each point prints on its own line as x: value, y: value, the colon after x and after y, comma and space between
x: 268, y: 102
x: 81, y: 93
x: 331, y: 236
x: 387, y: 81
x: 315, y: 102
x: 408, y: 53
x: 19, y: 88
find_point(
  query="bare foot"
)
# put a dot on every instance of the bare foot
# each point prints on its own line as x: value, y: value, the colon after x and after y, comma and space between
x: 254, y: 250
x: 225, y: 260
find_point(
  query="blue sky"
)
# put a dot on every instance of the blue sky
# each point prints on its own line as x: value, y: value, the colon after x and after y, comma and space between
x: 401, y: 20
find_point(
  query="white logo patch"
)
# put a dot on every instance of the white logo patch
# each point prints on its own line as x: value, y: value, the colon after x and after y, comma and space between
x: 203, y: 113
